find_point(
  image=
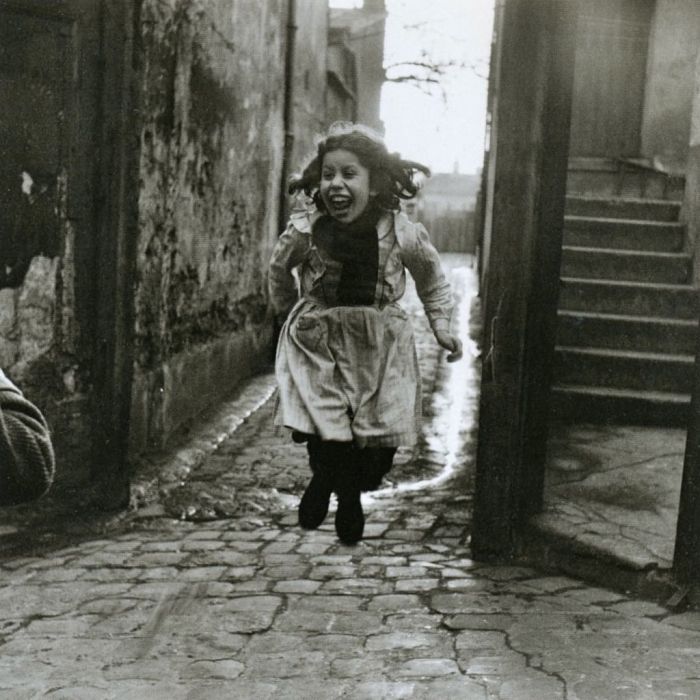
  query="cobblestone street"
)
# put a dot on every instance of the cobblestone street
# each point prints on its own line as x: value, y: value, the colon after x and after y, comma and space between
x: 210, y: 590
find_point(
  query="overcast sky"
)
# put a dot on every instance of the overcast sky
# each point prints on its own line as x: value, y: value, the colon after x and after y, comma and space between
x: 438, y: 132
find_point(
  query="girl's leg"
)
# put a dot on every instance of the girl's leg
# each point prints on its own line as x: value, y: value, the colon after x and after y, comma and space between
x: 376, y: 464
x: 349, y: 518
x: 336, y: 467
x: 313, y: 507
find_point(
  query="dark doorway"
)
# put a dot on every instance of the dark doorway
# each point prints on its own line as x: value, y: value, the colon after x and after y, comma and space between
x: 36, y: 56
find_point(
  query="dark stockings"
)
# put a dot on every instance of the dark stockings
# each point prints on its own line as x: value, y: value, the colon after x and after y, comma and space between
x: 347, y: 470
x: 375, y: 463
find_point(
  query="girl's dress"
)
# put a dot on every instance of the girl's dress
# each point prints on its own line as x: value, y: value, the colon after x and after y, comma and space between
x: 346, y: 361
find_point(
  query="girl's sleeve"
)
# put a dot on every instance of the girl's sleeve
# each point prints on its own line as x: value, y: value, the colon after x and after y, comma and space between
x: 288, y: 253
x: 423, y: 262
x: 26, y: 453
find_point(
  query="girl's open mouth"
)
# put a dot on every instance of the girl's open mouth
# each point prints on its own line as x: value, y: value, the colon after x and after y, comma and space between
x: 340, y: 204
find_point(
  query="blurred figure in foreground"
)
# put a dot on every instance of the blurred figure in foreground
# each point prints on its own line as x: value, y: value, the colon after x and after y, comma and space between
x: 26, y: 455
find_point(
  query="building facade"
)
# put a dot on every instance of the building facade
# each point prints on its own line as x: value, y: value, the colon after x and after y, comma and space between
x: 357, y: 53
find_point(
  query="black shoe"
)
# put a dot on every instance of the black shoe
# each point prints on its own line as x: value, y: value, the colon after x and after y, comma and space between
x: 313, y: 507
x: 349, y: 518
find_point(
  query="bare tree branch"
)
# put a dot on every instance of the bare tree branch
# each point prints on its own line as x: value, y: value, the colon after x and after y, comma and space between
x: 413, y: 79
x: 433, y: 67
x: 426, y: 73
x: 427, y: 84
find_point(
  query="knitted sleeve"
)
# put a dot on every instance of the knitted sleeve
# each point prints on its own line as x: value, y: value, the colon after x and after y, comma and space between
x: 26, y: 454
x: 423, y: 262
x: 288, y: 253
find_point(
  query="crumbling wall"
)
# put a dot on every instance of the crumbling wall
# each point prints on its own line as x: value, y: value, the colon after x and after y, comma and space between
x: 211, y: 149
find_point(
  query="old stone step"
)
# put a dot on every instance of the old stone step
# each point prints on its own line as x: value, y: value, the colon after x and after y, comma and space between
x: 623, y: 369
x: 623, y: 208
x: 617, y: 331
x: 630, y: 265
x: 595, y: 404
x: 627, y: 234
x: 606, y: 177
x: 629, y: 298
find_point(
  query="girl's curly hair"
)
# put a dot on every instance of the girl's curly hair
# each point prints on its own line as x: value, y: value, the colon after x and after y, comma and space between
x: 390, y: 176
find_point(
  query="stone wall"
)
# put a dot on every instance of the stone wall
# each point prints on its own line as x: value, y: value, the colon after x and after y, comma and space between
x: 210, y: 173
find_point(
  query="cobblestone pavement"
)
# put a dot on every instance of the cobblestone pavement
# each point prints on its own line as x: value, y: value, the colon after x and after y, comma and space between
x: 183, y: 601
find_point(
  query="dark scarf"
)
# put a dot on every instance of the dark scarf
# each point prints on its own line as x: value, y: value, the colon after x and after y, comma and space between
x: 356, y: 247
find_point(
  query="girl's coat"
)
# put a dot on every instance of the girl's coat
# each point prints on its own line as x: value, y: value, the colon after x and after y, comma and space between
x: 350, y: 373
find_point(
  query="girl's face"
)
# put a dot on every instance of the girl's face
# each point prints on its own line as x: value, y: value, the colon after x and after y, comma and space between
x: 345, y: 187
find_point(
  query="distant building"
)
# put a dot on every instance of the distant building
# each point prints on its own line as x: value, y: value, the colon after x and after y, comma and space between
x: 341, y: 84
x: 446, y: 205
x: 356, y: 64
x: 308, y: 55
x: 448, y: 192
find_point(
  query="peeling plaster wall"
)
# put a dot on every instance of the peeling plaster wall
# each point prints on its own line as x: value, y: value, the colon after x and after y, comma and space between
x: 37, y: 350
x: 27, y: 317
x: 211, y: 157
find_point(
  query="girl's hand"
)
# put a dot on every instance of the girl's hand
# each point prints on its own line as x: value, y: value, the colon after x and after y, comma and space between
x: 451, y: 343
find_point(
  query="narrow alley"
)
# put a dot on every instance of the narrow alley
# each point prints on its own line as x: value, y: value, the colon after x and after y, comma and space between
x: 189, y: 185
x: 212, y: 591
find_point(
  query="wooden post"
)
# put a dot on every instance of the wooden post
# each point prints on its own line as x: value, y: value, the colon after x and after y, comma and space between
x: 546, y: 258
x: 686, y: 556
x: 117, y: 230
x: 530, y: 141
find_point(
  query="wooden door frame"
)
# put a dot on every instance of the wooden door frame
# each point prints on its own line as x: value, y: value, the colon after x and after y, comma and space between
x: 117, y: 232
x: 530, y: 142
x: 686, y: 555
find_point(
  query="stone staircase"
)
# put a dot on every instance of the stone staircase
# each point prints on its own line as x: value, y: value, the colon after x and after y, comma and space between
x: 627, y: 312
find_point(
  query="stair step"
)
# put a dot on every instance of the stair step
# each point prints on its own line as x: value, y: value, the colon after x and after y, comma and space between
x: 629, y: 298
x: 623, y: 208
x: 617, y: 331
x: 623, y: 369
x: 597, y: 404
x: 623, y: 234
x: 630, y: 265
x: 627, y: 320
x: 603, y: 179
